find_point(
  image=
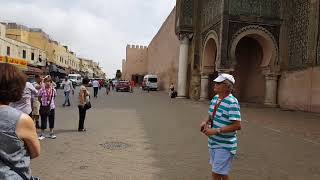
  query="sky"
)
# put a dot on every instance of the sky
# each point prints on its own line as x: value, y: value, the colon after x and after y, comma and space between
x: 93, y: 29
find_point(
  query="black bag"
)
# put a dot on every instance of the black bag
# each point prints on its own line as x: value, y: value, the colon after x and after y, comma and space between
x: 45, y: 110
x: 13, y: 168
x: 87, y: 105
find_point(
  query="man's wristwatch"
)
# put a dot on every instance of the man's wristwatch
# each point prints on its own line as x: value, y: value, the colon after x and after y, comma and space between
x: 218, y: 130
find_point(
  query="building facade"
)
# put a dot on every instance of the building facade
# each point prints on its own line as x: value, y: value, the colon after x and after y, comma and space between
x: 22, y: 54
x: 270, y: 46
x: 60, y: 60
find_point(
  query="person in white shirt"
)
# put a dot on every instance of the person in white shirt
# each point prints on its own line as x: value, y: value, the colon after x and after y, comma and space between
x: 95, y: 85
x: 67, y: 87
x: 35, y: 102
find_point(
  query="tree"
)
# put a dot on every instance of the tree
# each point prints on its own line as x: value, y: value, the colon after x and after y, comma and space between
x: 118, y: 74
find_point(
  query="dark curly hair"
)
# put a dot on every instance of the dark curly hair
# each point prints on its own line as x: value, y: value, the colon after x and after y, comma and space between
x: 12, y: 83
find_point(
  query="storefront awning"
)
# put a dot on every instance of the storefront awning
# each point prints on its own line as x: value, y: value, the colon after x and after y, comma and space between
x: 33, y: 70
x: 61, y: 71
x: 20, y: 63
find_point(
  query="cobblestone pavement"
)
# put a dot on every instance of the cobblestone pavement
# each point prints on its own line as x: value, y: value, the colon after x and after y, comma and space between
x: 140, y: 135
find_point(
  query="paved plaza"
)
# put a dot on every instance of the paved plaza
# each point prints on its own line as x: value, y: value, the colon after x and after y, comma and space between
x: 148, y: 136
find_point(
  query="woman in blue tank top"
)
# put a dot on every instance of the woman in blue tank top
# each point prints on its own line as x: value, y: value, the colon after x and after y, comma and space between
x: 18, y: 138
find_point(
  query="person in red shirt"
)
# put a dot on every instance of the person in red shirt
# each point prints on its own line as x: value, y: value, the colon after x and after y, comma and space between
x: 132, y: 84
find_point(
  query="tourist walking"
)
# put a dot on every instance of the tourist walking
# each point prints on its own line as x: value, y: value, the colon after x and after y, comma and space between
x: 95, y: 85
x: 47, y: 95
x: 221, y: 127
x: 18, y: 137
x: 35, y: 101
x: 84, y: 103
x: 107, y: 86
x: 24, y: 104
x: 67, y: 88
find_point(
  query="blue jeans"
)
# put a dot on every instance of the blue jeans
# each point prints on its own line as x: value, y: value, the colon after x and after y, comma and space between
x: 66, y: 97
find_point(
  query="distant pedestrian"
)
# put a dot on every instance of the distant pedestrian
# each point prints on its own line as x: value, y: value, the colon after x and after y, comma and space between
x: 101, y: 83
x: 221, y: 127
x: 24, y: 104
x: 18, y: 137
x: 107, y: 86
x: 47, y: 95
x: 132, y: 85
x: 95, y: 85
x: 67, y: 88
x: 84, y: 100
x: 172, y: 92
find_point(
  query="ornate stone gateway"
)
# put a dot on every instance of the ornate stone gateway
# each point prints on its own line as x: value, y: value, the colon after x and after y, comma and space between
x: 254, y: 56
x: 239, y: 37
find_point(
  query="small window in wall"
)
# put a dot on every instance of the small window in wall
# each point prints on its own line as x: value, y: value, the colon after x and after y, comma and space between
x: 8, y: 51
x: 24, y: 54
x: 32, y: 56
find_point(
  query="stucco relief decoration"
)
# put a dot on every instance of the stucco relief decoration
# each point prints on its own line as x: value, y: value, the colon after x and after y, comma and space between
x: 270, y: 62
x: 298, y: 32
x: 211, y: 12
x: 260, y: 8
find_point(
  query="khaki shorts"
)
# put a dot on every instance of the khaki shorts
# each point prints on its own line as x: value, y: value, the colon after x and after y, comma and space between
x: 35, y: 108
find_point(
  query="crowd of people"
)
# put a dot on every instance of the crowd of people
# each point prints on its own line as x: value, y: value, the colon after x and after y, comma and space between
x: 22, y: 104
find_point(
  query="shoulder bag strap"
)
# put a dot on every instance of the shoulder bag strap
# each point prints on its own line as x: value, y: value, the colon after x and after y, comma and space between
x: 13, y: 168
x: 215, y: 109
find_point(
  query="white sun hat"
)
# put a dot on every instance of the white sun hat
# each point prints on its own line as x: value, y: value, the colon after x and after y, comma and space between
x: 223, y: 77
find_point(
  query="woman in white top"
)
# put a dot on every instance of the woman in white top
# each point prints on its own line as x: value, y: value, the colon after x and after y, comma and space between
x: 84, y: 98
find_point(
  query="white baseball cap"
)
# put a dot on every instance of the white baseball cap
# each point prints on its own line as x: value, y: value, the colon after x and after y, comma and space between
x: 223, y: 77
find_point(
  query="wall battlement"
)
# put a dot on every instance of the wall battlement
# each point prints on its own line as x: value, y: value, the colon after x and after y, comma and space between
x: 130, y: 46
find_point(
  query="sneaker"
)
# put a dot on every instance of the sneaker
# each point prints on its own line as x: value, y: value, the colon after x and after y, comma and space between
x: 52, y: 136
x: 41, y: 137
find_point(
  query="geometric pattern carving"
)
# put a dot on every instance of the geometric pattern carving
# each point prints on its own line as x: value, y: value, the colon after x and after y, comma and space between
x: 211, y: 12
x: 187, y: 12
x: 259, y: 8
x: 298, y: 23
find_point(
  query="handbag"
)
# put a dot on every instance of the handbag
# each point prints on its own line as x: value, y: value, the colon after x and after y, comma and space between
x: 13, y: 168
x: 87, y: 105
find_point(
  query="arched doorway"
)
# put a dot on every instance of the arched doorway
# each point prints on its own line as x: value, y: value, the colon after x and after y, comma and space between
x: 254, y: 53
x: 209, y: 56
x: 250, y: 86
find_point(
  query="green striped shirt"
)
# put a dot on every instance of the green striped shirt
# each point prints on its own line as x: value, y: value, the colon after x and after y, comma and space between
x: 228, y: 111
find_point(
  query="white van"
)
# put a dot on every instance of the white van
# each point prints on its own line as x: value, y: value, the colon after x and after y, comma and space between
x: 150, y: 82
x: 76, y: 79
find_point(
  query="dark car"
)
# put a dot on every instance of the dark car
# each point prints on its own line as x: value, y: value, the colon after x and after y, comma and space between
x: 123, y: 86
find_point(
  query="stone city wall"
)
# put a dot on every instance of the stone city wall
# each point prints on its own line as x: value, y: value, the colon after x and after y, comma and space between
x: 163, y: 54
x: 135, y: 62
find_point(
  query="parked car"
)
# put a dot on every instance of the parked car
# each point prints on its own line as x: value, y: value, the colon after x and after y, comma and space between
x: 150, y: 82
x: 76, y: 79
x: 123, y: 86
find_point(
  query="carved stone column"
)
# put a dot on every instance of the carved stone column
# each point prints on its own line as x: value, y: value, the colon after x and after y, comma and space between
x: 183, y: 64
x: 204, y: 94
x: 271, y: 90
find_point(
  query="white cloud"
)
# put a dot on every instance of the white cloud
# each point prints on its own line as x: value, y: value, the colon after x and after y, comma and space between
x: 96, y: 29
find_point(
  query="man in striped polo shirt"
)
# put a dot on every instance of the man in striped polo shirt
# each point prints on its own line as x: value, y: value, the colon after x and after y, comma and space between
x: 221, y: 126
